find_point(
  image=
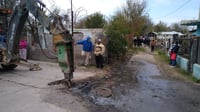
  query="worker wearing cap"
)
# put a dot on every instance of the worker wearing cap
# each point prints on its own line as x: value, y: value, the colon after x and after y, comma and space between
x: 99, y: 52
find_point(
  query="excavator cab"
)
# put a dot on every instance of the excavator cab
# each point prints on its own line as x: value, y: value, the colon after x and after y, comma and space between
x: 4, y: 16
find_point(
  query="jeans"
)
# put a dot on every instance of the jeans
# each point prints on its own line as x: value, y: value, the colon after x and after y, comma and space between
x: 173, y: 62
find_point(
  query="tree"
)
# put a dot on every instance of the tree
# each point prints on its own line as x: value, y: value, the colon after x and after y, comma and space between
x: 117, y: 46
x: 116, y: 30
x: 81, y: 23
x: 78, y: 15
x: 161, y: 26
x: 95, y: 20
x: 179, y: 28
x: 118, y: 23
x: 128, y: 21
x: 134, y: 12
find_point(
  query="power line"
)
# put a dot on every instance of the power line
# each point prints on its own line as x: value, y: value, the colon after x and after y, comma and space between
x: 174, y: 11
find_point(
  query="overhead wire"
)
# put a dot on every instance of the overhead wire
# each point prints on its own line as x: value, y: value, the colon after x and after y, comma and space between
x: 177, y: 9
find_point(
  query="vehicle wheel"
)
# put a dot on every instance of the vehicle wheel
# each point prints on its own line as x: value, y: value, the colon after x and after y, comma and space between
x: 9, y: 67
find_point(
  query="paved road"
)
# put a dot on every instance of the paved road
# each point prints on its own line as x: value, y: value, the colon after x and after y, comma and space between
x: 154, y: 90
x: 22, y: 90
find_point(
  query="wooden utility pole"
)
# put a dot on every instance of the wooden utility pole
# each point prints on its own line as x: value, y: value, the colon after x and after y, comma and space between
x: 72, y: 20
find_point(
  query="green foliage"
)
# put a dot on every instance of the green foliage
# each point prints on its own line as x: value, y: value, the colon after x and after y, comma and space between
x: 161, y: 26
x: 136, y: 17
x: 117, y: 46
x: 164, y: 58
x: 116, y: 31
x: 95, y: 20
x: 130, y: 20
x: 80, y: 23
x: 119, y: 24
x: 188, y: 75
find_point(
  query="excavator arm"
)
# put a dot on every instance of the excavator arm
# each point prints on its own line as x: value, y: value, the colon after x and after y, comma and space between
x: 17, y: 22
x: 62, y: 39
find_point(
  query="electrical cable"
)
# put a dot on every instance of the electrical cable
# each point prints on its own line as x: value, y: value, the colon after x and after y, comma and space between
x: 174, y: 11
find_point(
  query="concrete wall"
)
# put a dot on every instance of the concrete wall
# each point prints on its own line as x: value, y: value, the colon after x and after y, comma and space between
x: 183, y: 63
x: 196, y: 71
x: 80, y: 34
x: 34, y: 51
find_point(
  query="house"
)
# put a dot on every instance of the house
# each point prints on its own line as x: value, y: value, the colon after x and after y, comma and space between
x: 168, y: 35
x: 193, y: 23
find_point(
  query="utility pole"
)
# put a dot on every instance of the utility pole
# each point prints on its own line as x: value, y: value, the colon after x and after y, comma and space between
x: 72, y: 20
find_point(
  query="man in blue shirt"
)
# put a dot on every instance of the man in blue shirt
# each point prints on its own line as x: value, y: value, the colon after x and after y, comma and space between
x: 87, y: 48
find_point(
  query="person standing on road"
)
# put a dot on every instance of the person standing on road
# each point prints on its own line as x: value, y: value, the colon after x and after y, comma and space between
x: 87, y: 49
x: 152, y: 45
x: 99, y: 52
x: 135, y: 41
x: 23, y: 50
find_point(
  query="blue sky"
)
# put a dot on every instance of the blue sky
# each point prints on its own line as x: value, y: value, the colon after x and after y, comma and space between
x: 168, y: 11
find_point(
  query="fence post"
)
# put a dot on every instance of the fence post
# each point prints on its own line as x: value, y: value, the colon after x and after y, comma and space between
x: 198, y: 52
x: 191, y: 54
